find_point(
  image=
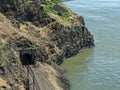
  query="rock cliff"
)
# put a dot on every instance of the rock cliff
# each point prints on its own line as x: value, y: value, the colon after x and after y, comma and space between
x: 47, y: 27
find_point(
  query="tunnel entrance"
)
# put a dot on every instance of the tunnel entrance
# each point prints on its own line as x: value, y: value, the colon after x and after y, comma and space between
x: 27, y: 57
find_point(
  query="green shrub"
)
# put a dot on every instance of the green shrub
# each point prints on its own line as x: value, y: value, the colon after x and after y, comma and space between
x: 28, y: 43
x: 55, y: 1
x: 49, y: 7
x: 66, y: 15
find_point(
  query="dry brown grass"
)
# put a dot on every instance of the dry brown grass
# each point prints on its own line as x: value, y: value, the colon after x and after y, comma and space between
x: 3, y: 83
x: 65, y: 22
x: 9, y: 31
x: 52, y: 75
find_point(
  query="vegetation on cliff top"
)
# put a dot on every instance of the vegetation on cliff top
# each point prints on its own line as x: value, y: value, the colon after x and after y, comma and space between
x: 57, y: 8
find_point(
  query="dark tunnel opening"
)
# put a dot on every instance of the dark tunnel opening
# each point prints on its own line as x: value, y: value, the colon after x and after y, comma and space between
x: 27, y: 59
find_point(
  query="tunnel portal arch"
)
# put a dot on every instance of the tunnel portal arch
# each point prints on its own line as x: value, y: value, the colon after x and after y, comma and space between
x: 27, y: 57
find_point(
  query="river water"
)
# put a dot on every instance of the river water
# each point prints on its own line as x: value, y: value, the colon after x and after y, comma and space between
x: 97, y: 68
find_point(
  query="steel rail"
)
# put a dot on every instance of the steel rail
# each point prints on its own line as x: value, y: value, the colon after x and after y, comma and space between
x: 35, y: 82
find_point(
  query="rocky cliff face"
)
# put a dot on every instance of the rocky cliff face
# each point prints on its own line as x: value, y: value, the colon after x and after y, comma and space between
x: 46, y: 26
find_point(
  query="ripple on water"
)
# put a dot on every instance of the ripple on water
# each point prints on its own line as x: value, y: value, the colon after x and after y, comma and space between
x: 97, y: 68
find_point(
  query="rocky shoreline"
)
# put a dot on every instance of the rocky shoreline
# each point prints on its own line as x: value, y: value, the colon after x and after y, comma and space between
x: 46, y: 26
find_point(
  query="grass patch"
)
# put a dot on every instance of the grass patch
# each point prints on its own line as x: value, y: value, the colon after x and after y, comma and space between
x: 55, y: 1
x: 29, y: 45
x: 49, y: 7
x: 66, y: 15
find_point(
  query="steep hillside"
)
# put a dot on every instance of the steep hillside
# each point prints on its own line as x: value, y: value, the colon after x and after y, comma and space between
x: 46, y: 26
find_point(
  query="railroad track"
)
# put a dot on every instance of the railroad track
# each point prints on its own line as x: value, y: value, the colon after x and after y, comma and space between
x: 38, y: 80
x: 33, y: 76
